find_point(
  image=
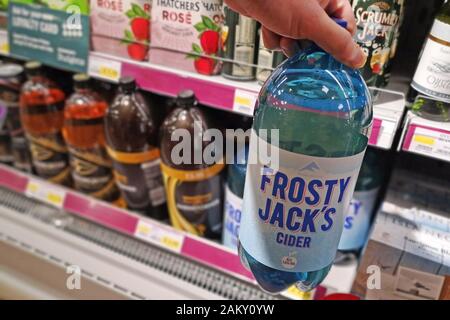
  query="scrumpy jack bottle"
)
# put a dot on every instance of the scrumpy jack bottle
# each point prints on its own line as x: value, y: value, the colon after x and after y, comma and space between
x: 293, y: 211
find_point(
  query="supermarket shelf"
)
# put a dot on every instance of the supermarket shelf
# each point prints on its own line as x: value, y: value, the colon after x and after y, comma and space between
x: 236, y: 96
x: 188, y: 246
x: 426, y: 137
x: 214, y: 91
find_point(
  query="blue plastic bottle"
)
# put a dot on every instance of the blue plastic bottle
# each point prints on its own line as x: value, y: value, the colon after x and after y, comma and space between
x: 293, y: 211
x: 234, y: 191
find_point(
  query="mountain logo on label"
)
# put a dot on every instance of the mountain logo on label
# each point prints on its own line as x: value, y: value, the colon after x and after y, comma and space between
x: 310, y: 167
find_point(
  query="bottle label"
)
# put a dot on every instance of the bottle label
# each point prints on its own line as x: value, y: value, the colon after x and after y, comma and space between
x: 357, y: 220
x: 50, y: 158
x: 432, y: 75
x: 138, y: 176
x: 293, y: 215
x: 232, y: 219
x: 5, y: 147
x: 194, y: 199
x: 21, y: 153
x: 92, y: 173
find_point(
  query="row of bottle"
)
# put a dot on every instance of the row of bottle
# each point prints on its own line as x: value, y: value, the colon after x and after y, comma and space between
x: 113, y: 151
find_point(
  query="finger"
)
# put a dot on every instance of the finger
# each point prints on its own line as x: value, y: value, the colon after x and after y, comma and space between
x: 337, y: 41
x: 236, y: 6
x: 343, y: 10
x: 289, y: 46
x: 271, y: 40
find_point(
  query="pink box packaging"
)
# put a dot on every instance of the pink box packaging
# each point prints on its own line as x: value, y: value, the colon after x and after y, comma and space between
x: 121, y: 27
x: 183, y: 31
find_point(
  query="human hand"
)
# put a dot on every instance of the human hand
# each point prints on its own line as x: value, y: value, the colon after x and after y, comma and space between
x: 285, y: 21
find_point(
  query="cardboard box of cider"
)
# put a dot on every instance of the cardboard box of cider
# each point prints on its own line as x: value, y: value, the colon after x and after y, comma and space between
x: 121, y: 27
x: 186, y: 34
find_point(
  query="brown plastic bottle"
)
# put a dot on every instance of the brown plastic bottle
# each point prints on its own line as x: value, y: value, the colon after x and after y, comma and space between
x: 84, y: 135
x: 193, y: 188
x: 131, y: 138
x: 42, y: 116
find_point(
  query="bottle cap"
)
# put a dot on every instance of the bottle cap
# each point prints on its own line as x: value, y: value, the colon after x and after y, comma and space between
x: 81, y: 80
x: 343, y: 23
x: 127, y: 84
x: 10, y: 70
x: 33, y: 67
x: 186, y: 98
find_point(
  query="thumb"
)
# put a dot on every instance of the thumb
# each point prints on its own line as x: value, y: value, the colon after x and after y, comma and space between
x: 337, y: 41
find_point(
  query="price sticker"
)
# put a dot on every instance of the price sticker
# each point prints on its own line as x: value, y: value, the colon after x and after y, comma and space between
x: 429, y: 142
x: 244, y: 101
x: 295, y: 293
x: 104, y: 68
x: 46, y: 193
x: 166, y: 238
x: 4, y: 45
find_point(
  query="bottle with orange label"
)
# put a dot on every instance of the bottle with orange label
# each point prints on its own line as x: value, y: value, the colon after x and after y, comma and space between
x: 42, y: 115
x: 193, y: 186
x: 84, y: 135
x: 131, y: 142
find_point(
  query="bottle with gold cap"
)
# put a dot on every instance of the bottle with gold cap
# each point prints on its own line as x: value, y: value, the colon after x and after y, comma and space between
x: 84, y: 135
x: 42, y: 115
x: 131, y: 139
x: 193, y: 187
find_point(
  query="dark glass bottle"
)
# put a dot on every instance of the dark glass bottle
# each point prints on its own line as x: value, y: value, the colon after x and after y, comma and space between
x: 193, y: 187
x: 84, y: 135
x: 42, y: 116
x: 12, y: 78
x: 131, y: 139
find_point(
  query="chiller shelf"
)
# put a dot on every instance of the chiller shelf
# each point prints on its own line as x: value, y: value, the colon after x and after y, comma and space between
x: 233, y: 96
x: 163, y: 236
x: 426, y: 137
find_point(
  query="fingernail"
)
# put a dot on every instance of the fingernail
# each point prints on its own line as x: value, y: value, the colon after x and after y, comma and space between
x: 291, y: 49
x: 360, y: 59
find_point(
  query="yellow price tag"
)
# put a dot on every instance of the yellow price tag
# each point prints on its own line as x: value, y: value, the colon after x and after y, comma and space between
x: 32, y: 187
x: 170, y: 242
x: 108, y: 72
x: 297, y: 294
x: 4, y: 47
x: 144, y: 229
x: 54, y: 198
x: 46, y: 192
x: 424, y: 140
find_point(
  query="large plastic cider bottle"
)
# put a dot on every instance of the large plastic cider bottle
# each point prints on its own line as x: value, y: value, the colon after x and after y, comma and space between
x: 295, y: 199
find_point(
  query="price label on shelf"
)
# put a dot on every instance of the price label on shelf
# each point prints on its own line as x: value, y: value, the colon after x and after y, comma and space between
x: 4, y: 45
x: 105, y: 68
x: 296, y: 294
x: 46, y: 193
x: 434, y: 143
x: 244, y: 101
x: 166, y: 238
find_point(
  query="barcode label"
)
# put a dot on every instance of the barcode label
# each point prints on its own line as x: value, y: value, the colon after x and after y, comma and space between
x: 153, y: 233
x: 431, y: 142
x: 154, y: 182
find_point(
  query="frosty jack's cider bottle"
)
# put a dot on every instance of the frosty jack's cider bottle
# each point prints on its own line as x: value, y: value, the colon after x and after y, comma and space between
x: 42, y: 116
x: 293, y: 212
